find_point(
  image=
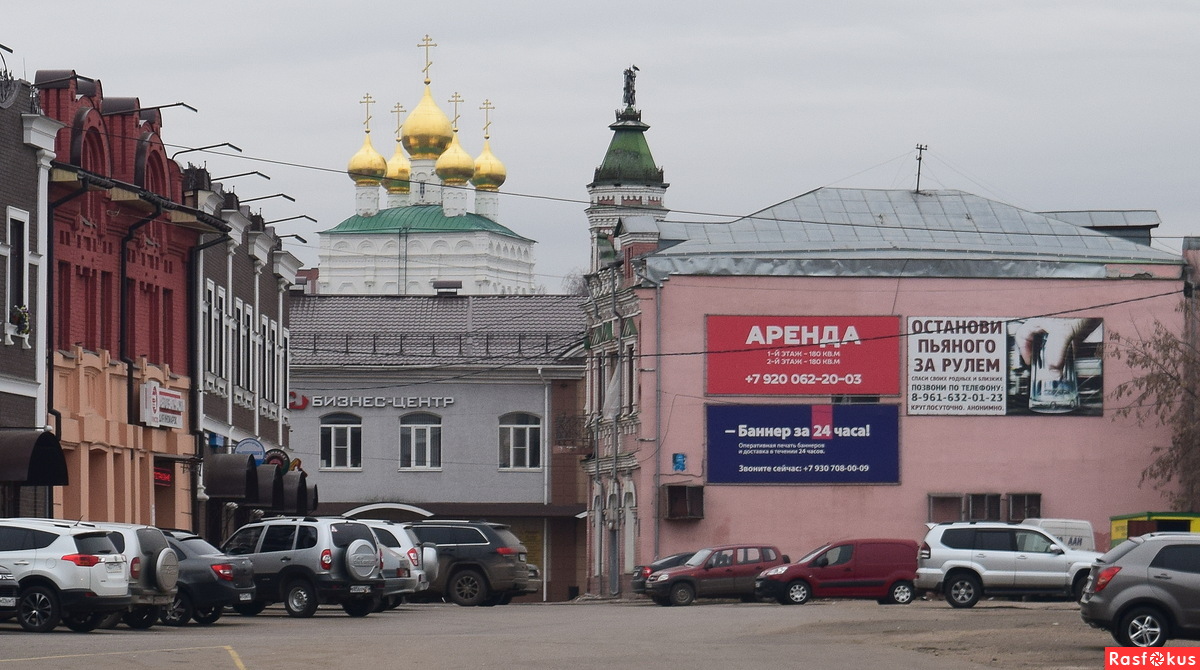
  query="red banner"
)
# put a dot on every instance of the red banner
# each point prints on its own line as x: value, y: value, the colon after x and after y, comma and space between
x: 803, y: 355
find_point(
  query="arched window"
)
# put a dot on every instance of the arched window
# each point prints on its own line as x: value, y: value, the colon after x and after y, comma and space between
x: 341, y: 442
x: 420, y: 442
x: 520, y: 441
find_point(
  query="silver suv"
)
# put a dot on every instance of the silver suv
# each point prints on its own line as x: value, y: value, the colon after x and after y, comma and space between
x: 153, y: 570
x: 308, y: 561
x: 65, y: 573
x: 408, y: 566
x: 966, y: 561
x: 1146, y: 590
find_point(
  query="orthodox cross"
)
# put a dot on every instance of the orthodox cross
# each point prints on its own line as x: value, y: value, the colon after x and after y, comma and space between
x: 426, y: 44
x: 455, y: 100
x: 367, y: 100
x: 399, y: 109
x: 487, y: 107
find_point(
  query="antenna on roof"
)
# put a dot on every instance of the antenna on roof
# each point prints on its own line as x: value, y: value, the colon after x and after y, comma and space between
x: 921, y: 148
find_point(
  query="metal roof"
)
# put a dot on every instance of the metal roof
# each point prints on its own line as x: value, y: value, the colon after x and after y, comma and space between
x: 516, y: 330
x: 861, y: 232
x: 418, y: 219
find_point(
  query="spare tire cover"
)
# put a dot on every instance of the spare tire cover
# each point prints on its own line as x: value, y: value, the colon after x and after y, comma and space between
x: 362, y: 560
x: 166, y: 569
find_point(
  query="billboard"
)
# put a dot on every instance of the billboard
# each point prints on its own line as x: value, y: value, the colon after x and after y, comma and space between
x: 803, y: 355
x: 803, y: 444
x: 987, y: 365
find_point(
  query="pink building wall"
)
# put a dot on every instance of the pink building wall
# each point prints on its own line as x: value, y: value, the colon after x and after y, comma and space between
x: 1083, y: 467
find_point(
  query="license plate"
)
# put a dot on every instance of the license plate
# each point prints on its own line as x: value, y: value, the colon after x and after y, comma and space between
x: 361, y: 588
x: 244, y: 596
x: 112, y: 567
x: 8, y: 602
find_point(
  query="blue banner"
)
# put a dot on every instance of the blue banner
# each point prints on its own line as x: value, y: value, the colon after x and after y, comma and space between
x: 803, y: 444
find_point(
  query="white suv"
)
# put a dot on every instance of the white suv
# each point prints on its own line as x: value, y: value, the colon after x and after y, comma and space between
x: 407, y: 564
x: 66, y: 572
x: 966, y: 561
x: 153, y: 571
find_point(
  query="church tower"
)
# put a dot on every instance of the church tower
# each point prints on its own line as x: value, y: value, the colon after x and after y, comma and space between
x: 627, y: 183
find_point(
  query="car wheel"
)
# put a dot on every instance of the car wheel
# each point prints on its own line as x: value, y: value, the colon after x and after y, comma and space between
x: 142, y: 617
x: 467, y: 588
x: 300, y: 600
x: 82, y: 622
x: 797, y: 593
x: 111, y: 620
x: 682, y: 594
x: 179, y: 612
x: 207, y: 615
x: 38, y: 610
x: 359, y: 607
x: 1142, y: 627
x: 661, y: 601
x: 386, y: 603
x: 901, y: 593
x: 962, y: 590
x: 251, y: 608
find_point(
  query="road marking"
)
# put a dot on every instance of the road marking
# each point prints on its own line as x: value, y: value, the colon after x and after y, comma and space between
x: 237, y: 661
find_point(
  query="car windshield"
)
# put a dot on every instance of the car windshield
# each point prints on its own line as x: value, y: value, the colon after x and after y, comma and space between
x: 699, y: 558
x: 813, y: 554
x: 1120, y: 550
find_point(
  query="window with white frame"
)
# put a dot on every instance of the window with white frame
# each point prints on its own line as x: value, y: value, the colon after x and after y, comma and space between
x: 520, y: 441
x: 420, y: 442
x: 341, y: 442
x: 241, y: 344
x: 16, y: 250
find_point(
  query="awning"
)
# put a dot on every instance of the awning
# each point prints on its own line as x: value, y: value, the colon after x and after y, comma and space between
x: 270, y: 486
x: 31, y: 458
x: 230, y: 477
x: 295, y: 493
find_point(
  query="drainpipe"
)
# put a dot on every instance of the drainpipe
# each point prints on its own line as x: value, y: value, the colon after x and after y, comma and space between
x: 545, y: 441
x: 131, y: 414
x: 658, y: 363
x: 195, y: 364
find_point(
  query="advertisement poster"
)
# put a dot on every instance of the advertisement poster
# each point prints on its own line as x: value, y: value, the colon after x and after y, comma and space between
x: 976, y: 366
x: 803, y: 355
x: 803, y: 444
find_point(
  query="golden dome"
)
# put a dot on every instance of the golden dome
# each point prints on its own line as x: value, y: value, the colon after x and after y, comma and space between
x: 399, y: 169
x: 455, y: 166
x: 367, y: 166
x: 489, y: 171
x: 426, y: 132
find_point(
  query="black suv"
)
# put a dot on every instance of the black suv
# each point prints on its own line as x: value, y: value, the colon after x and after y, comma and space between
x: 307, y: 561
x: 479, y: 562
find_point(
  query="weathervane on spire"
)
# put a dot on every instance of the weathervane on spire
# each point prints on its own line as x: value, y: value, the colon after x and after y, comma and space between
x: 487, y: 107
x: 455, y: 100
x: 426, y: 44
x: 367, y: 100
x: 630, y: 76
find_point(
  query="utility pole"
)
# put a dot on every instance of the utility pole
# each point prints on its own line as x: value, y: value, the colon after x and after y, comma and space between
x: 921, y: 148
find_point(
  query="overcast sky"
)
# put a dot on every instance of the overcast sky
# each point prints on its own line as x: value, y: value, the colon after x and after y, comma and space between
x: 1043, y: 105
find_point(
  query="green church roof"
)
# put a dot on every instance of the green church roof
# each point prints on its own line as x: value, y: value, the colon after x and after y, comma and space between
x: 628, y: 160
x: 419, y: 219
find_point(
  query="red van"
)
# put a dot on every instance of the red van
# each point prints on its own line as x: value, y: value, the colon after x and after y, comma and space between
x: 883, y: 569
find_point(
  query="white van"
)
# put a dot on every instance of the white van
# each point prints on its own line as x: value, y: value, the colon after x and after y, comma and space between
x: 1075, y: 533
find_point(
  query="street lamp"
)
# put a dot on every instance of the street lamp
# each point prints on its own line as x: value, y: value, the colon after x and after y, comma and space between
x: 211, y: 146
x: 240, y: 174
x: 264, y: 197
x: 290, y: 218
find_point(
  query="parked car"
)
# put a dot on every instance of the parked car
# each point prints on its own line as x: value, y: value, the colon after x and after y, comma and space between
x: 8, y: 593
x: 404, y: 561
x: 479, y: 562
x: 727, y: 571
x: 153, y: 572
x: 66, y: 572
x: 308, y: 561
x: 209, y: 581
x: 883, y: 569
x: 1075, y: 533
x: 642, y: 572
x: 966, y: 561
x: 1146, y: 590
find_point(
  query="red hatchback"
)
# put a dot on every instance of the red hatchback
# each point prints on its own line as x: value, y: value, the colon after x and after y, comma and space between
x: 727, y: 571
x: 883, y: 569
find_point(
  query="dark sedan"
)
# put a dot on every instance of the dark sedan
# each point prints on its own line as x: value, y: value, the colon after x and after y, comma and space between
x: 641, y: 572
x: 208, y: 580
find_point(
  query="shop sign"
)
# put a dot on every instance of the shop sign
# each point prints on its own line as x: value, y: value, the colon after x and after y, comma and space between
x: 803, y: 444
x: 161, y: 407
x: 803, y: 355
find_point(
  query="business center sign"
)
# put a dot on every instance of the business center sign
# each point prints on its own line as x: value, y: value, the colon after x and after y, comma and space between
x: 803, y: 355
x: 803, y: 444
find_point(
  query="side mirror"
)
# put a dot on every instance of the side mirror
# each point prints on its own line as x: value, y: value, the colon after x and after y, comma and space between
x: 822, y: 562
x: 786, y: 559
x: 1057, y: 550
